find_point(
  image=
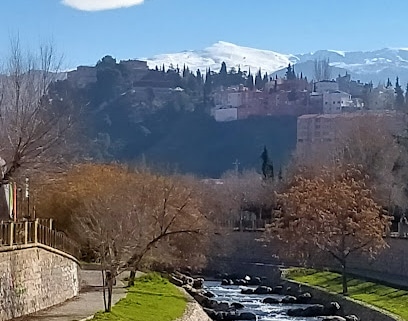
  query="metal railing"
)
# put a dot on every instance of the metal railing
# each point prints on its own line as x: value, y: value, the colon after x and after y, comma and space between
x: 33, y: 232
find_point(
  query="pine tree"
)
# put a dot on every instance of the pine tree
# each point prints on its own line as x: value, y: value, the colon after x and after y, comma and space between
x: 399, y: 95
x: 389, y: 84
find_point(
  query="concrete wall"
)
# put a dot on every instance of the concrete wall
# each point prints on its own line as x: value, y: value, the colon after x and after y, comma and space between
x: 365, y: 313
x: 35, y: 278
x: 240, y: 249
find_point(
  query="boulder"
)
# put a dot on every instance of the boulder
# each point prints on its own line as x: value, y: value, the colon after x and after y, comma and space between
x: 222, y: 306
x: 278, y: 289
x: 255, y: 281
x: 246, y: 316
x: 208, y: 294
x: 310, y: 311
x: 304, y: 298
x: 240, y: 282
x: 176, y: 281
x: 271, y: 300
x: 289, y: 299
x: 211, y: 313
x: 188, y: 280
x: 263, y: 290
x: 352, y: 317
x: 202, y: 300
x: 332, y: 309
x: 334, y: 318
x: 198, y: 283
x: 237, y: 305
x: 226, y: 282
x: 247, y: 291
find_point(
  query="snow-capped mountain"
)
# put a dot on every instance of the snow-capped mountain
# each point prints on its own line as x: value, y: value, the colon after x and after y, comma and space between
x: 366, y: 66
x: 233, y: 55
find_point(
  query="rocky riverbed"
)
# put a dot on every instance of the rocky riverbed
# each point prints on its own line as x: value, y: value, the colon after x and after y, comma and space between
x: 248, y: 299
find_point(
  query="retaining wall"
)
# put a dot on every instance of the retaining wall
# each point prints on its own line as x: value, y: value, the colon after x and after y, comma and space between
x: 35, y: 277
x: 241, y: 251
x: 349, y: 306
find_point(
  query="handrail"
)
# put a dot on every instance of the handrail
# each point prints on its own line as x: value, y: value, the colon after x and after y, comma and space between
x: 32, y: 232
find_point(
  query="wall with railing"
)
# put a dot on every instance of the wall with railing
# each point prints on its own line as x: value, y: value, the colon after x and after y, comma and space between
x: 38, y: 268
x: 35, y: 232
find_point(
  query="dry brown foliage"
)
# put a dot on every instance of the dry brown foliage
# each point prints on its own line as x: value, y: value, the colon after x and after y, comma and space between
x: 333, y: 212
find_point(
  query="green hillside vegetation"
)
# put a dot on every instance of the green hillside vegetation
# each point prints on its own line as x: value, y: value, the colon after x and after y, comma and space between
x: 380, y: 296
x: 151, y: 299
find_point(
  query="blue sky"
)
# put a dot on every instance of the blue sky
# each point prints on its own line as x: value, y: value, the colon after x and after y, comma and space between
x: 164, y: 26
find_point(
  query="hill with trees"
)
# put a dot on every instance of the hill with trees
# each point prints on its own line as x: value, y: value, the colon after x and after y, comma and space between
x: 162, y: 117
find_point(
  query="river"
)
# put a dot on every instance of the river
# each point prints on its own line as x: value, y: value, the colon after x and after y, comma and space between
x: 253, y: 302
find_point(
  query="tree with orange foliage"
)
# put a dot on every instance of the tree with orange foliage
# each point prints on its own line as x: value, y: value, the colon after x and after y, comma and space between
x: 122, y: 214
x: 333, y: 212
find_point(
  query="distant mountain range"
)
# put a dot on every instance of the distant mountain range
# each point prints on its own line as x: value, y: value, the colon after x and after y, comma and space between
x: 366, y: 66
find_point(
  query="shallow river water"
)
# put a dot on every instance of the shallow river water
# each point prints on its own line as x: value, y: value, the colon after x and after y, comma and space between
x: 253, y: 302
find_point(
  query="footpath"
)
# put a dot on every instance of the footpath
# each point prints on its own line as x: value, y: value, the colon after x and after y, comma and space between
x: 83, y: 307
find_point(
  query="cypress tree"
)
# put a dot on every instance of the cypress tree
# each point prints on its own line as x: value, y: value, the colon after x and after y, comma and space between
x: 258, y: 80
x: 399, y: 95
x: 267, y: 165
x: 406, y: 97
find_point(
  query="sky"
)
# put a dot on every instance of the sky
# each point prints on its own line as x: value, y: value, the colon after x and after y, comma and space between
x: 86, y: 30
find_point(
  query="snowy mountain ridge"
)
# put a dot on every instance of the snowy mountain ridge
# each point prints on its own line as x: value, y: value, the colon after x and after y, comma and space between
x: 376, y: 66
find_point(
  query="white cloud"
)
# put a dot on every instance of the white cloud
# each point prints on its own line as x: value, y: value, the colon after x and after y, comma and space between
x: 98, y: 5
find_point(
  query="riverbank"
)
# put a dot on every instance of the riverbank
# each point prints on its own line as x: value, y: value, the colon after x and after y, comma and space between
x: 152, y: 298
x: 378, y: 301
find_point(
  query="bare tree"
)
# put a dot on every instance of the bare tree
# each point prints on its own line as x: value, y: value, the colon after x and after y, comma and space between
x: 32, y: 129
x: 124, y: 219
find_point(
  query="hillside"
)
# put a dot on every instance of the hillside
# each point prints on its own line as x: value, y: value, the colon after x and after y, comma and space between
x: 197, y: 144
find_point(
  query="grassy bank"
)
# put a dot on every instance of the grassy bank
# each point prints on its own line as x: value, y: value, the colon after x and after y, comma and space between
x: 151, y: 299
x: 381, y: 296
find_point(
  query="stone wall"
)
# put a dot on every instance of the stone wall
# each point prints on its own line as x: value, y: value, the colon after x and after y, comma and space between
x: 349, y: 306
x: 241, y: 251
x: 34, y: 278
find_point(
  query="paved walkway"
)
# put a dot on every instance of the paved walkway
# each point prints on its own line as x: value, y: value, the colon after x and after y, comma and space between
x: 85, y: 305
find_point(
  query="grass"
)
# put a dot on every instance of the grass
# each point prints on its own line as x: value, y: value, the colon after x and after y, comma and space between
x: 380, y: 296
x: 152, y: 298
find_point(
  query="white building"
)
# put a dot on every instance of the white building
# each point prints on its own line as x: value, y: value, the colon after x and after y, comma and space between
x: 335, y: 101
x: 225, y: 114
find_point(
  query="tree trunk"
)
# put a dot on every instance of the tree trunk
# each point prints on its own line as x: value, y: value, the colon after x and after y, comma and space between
x: 110, y: 290
x: 132, y: 277
x: 104, y: 289
x: 344, y: 277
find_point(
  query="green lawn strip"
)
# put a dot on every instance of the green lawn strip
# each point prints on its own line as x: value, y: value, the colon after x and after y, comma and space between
x: 380, y: 296
x: 152, y: 298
